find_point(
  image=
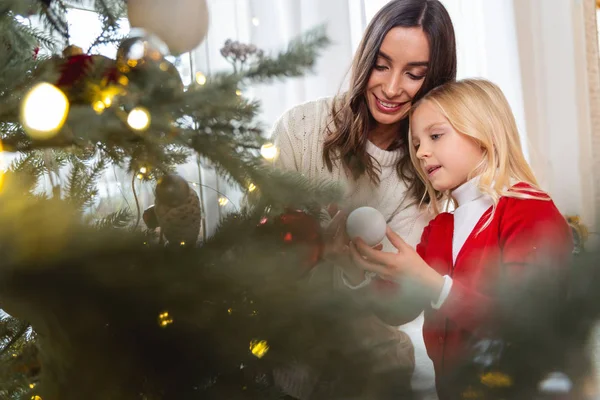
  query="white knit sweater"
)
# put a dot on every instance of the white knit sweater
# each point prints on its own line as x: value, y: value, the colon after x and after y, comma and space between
x: 299, y: 134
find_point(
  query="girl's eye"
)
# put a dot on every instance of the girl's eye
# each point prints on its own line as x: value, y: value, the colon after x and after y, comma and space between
x: 436, y: 136
x: 380, y: 67
x: 416, y: 146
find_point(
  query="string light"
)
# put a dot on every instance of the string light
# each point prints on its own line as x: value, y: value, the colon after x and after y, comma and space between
x: 139, y: 119
x: 164, y: 319
x: 143, y: 170
x: 269, y: 151
x: 44, y: 111
x: 251, y: 187
x: 259, y: 348
x: 36, y: 397
x: 200, y: 78
x: 99, y: 107
x: 31, y: 385
x: 496, y: 379
x: 223, y: 201
x: 107, y: 100
x: 238, y: 92
x: 255, y: 21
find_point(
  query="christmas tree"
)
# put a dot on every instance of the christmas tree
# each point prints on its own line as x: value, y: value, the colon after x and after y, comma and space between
x: 108, y: 306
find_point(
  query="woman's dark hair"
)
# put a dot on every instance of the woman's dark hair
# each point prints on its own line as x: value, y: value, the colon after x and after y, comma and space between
x: 348, y: 131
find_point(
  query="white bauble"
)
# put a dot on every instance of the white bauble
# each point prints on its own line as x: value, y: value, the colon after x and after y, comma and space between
x: 181, y: 24
x: 366, y: 223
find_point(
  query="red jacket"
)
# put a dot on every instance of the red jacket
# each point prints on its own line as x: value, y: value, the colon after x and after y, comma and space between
x: 523, y: 234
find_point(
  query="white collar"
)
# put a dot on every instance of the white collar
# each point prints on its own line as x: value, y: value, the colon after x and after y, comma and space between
x: 467, y: 192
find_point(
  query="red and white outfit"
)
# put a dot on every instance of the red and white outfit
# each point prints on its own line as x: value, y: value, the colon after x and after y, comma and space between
x: 523, y: 235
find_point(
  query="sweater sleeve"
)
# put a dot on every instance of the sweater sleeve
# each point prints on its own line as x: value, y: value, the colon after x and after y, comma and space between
x: 533, y: 237
x: 288, y: 143
x: 409, y: 224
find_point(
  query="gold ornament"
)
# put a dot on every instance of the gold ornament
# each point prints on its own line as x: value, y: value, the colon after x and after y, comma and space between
x: 141, y: 60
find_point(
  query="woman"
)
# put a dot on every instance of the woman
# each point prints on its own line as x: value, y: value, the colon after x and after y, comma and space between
x: 360, y: 140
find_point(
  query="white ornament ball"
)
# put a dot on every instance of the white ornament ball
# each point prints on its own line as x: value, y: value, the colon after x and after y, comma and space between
x: 180, y: 24
x: 366, y: 223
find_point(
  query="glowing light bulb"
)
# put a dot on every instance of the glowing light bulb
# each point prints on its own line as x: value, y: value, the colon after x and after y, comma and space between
x: 44, y: 111
x: 255, y: 21
x: 251, y: 187
x: 238, y: 92
x: 223, y: 201
x: 164, y: 319
x: 99, y: 107
x: 139, y: 119
x: 143, y: 170
x: 259, y: 348
x: 269, y: 151
x: 200, y: 78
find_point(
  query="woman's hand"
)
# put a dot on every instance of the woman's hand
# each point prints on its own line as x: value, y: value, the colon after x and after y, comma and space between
x: 337, y: 248
x: 405, y: 264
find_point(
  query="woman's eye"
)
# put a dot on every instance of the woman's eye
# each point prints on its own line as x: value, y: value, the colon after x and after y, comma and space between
x: 380, y: 67
x: 415, y: 77
x: 436, y: 136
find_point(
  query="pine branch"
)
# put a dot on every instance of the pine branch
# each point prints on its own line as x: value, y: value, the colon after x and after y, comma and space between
x: 17, y: 355
x: 300, y: 56
x: 81, y: 184
x: 11, y: 331
x: 116, y: 220
x: 110, y: 11
x: 27, y: 169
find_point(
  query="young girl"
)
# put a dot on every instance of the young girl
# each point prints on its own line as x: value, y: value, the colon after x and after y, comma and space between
x: 465, y: 146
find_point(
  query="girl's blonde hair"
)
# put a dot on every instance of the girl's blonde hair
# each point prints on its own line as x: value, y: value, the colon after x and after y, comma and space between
x: 477, y: 108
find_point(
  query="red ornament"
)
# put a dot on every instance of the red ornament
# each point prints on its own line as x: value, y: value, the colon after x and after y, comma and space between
x: 297, y: 228
x: 76, y: 68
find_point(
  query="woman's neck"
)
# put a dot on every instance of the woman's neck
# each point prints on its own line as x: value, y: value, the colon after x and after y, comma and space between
x: 383, y: 136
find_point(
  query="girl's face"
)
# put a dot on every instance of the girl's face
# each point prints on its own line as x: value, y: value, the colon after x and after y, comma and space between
x: 398, y: 74
x: 446, y: 156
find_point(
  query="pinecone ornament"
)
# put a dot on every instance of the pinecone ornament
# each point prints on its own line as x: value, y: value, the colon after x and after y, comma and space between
x: 177, y: 210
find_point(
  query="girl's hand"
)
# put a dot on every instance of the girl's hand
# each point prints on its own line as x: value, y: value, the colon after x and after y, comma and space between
x: 404, y: 264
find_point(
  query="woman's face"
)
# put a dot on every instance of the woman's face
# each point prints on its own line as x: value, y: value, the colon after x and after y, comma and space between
x: 398, y: 74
